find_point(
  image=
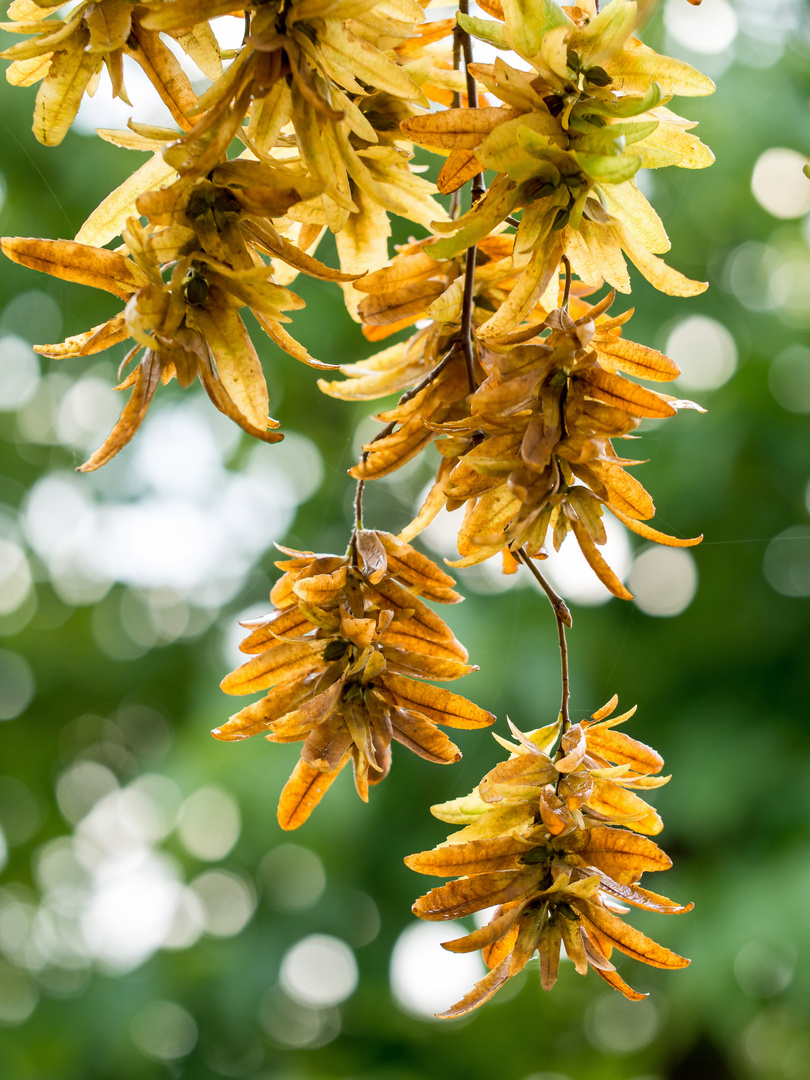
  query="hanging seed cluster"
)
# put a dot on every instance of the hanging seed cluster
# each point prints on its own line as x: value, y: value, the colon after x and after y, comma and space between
x: 512, y: 373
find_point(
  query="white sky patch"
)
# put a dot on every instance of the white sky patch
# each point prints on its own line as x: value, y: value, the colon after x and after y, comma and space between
x: 86, y: 414
x: 104, y: 111
x: 425, y: 978
x: 131, y: 909
x: 710, y: 29
x: 567, y: 569
x: 107, y: 895
x: 171, y: 520
x: 297, y: 458
x: 569, y: 572
x: 178, y: 454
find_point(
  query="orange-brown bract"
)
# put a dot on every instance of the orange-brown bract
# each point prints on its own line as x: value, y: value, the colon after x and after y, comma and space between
x: 342, y: 656
x: 557, y: 837
x: 530, y: 451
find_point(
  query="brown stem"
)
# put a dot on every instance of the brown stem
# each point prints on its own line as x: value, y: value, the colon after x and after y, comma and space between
x: 358, y: 506
x: 558, y: 605
x: 567, y: 291
x: 563, y: 617
x: 455, y: 198
x: 358, y: 521
x: 466, y: 317
x: 566, y: 689
x: 477, y: 192
x: 477, y: 189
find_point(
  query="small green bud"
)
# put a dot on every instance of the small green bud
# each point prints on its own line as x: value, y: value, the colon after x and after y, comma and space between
x: 536, y: 855
x: 598, y: 76
x: 335, y: 650
x: 195, y: 288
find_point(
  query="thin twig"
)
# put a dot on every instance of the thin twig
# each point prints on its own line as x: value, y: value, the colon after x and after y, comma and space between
x: 559, y: 606
x: 410, y: 394
x: 513, y: 221
x: 563, y: 617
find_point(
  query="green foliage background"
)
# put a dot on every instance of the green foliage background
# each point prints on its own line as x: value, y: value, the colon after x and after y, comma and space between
x: 722, y: 693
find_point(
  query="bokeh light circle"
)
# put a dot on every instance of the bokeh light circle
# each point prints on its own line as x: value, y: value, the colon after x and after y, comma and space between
x: 704, y: 350
x: 15, y: 576
x: 789, y: 378
x: 19, y: 372
x: 17, y: 684
x: 209, y: 823
x: 615, y: 1025
x: 292, y: 877
x: 228, y: 902
x: 778, y: 183
x: 787, y: 562
x: 319, y: 970
x: 664, y: 581
x: 164, y: 1031
x: 18, y: 995
x: 764, y: 969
